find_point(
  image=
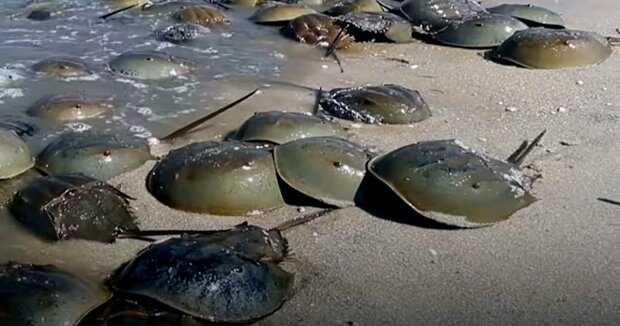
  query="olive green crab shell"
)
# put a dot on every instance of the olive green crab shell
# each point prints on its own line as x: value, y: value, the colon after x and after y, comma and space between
x: 436, y: 14
x: 62, y: 67
x: 450, y: 183
x: 280, y: 14
x: 481, y: 31
x: 69, y: 108
x: 544, y: 48
x: 45, y: 296
x: 328, y: 169
x: 533, y: 16
x: 221, y: 178
x: 279, y: 127
x: 201, y: 15
x: 15, y: 156
x: 149, y: 65
x: 97, y: 155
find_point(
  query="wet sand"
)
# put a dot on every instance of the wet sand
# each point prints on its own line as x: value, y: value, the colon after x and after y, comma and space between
x: 556, y: 262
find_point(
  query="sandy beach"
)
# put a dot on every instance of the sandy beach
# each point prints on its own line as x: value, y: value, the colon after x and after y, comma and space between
x: 556, y: 262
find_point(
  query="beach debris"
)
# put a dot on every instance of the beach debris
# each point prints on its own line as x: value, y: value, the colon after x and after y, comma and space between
x: 533, y: 16
x: 280, y: 14
x: 69, y: 108
x: 385, y: 104
x: 450, y: 183
x: 73, y: 206
x: 479, y: 31
x: 15, y: 156
x: 544, y: 48
x: 373, y: 26
x: 328, y: 169
x: 43, y: 295
x: 150, y: 65
x: 62, y: 67
x: 222, y: 178
x: 181, y: 33
x: 278, y: 127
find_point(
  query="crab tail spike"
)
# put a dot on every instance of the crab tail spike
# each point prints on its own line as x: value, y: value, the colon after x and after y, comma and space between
x: 317, y: 102
x: 608, y: 201
x: 184, y: 130
x: 118, y: 11
x: 384, y: 6
x: 513, y: 157
x: 338, y: 61
x: 158, y: 233
x: 332, y: 47
x: 302, y: 220
x: 134, y: 237
x: 535, y: 142
x: 267, y: 81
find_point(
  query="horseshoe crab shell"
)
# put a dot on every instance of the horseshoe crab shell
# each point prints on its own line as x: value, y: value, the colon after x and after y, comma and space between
x: 437, y: 14
x: 70, y: 206
x: 481, y: 31
x: 206, y: 280
x: 62, y: 67
x: 222, y: 178
x: 38, y: 295
x: 387, y: 104
x: 279, y: 127
x: 450, y: 183
x: 327, y: 169
x: 318, y: 30
x: 9, y: 187
x: 149, y: 65
x: 15, y: 156
x: 348, y: 6
x: 533, y: 16
x: 69, y: 108
x: 181, y: 33
x: 280, y: 13
x: 18, y: 125
x: 97, y: 155
x: 165, y: 8
x: 376, y: 26
x: 201, y: 15
x: 543, y: 48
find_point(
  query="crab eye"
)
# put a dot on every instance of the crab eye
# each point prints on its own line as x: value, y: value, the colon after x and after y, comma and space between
x: 78, y: 106
x: 149, y: 59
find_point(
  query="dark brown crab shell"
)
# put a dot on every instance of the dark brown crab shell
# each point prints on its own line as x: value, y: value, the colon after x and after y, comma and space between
x: 201, y: 15
x: 61, y: 207
x: 45, y: 295
x: 447, y: 182
x: 317, y: 29
x: 384, y: 104
x: 376, y: 26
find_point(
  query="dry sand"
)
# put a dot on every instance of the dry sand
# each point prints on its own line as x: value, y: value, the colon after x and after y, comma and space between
x: 556, y: 262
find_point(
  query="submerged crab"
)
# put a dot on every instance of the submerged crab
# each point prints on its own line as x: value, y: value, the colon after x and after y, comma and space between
x: 317, y: 29
x: 181, y: 33
x: 376, y: 26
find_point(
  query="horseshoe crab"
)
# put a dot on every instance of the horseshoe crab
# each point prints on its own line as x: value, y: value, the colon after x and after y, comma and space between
x: 9, y: 187
x: 376, y: 26
x: 149, y: 65
x: 280, y: 13
x: 533, y: 16
x: 62, y: 67
x: 318, y: 30
x: 20, y: 127
x: 385, y: 104
x: 348, y: 6
x: 328, y: 169
x: 43, y: 295
x: 73, y: 206
x: 201, y: 15
x: 279, y: 127
x: 15, y: 156
x: 433, y: 15
x: 94, y: 154
x: 543, y: 48
x: 225, y: 178
x: 480, y: 31
x: 129, y: 312
x: 448, y: 182
x: 181, y: 33
x: 69, y: 108
x: 222, y: 278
